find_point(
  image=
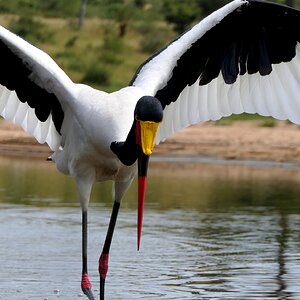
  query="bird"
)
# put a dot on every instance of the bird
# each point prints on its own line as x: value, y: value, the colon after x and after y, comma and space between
x: 244, y: 57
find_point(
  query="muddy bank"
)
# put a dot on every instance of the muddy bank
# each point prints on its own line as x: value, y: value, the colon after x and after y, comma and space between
x: 237, y: 141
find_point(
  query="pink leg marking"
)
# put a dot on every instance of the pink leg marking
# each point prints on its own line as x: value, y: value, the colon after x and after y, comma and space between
x: 103, y: 265
x: 85, y: 282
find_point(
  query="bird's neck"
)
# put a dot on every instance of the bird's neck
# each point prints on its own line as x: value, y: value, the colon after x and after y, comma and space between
x: 127, y: 150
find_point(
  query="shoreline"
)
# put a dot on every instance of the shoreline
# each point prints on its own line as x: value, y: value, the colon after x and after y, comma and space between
x: 242, y: 141
x: 236, y: 142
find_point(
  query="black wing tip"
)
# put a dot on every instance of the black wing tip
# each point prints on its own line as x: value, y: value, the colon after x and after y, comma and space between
x: 15, y: 76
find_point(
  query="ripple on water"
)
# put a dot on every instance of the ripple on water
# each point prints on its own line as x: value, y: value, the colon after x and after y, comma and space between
x: 232, y: 236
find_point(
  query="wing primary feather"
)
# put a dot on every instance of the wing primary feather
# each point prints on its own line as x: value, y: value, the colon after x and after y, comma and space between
x: 245, y: 93
x: 4, y: 98
x: 233, y: 94
x: 31, y: 121
x: 177, y: 116
x: 38, y: 132
x: 283, y: 95
x: 256, y: 95
x: 213, y: 103
x: 202, y: 104
x: 44, y: 128
x: 229, y: 66
x: 11, y: 106
x: 272, y: 103
x: 194, y: 109
x: 20, y: 113
x: 265, y: 66
x: 53, y: 139
x: 222, y: 96
x: 184, y: 98
x: 292, y: 90
x: 168, y: 115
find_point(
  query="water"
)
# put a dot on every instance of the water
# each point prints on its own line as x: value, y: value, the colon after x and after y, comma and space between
x: 210, y: 232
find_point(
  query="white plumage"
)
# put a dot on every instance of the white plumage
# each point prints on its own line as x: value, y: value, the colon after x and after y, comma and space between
x: 275, y: 95
x: 242, y: 58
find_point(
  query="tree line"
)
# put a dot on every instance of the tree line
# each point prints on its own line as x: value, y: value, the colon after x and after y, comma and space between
x: 179, y: 13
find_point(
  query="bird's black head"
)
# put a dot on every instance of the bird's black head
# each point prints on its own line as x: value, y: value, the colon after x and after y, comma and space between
x: 148, y: 108
x: 148, y: 114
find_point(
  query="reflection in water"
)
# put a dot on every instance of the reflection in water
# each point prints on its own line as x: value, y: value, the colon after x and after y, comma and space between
x: 282, y: 241
x: 210, y: 232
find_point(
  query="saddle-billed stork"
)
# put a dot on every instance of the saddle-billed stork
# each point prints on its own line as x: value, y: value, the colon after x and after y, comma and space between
x: 244, y: 57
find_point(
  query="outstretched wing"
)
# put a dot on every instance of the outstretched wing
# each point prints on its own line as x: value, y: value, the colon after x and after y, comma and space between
x: 33, y: 89
x: 242, y: 58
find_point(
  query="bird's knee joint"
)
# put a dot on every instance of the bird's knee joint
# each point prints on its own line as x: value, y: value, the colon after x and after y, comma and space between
x: 85, y: 282
x: 103, y: 265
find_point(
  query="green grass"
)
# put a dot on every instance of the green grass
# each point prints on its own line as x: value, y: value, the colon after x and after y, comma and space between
x: 261, y: 120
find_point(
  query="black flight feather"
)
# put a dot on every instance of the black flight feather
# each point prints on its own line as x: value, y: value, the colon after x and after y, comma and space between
x: 15, y: 76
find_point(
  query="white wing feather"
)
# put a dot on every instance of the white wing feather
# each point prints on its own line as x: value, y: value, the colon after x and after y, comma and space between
x: 21, y: 114
x: 276, y: 95
x: 47, y: 75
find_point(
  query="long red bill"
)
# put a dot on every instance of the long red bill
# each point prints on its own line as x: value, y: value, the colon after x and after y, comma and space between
x: 141, y: 202
x: 142, y: 175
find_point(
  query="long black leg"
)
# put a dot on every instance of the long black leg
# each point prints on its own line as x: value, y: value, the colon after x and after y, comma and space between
x: 103, y: 260
x: 85, y: 282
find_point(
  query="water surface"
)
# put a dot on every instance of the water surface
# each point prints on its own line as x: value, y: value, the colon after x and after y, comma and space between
x: 210, y: 232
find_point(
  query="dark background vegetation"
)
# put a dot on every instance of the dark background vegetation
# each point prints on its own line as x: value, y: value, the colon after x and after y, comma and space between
x: 111, y: 39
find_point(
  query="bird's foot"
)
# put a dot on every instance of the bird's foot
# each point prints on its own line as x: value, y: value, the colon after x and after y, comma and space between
x: 86, y: 286
x: 88, y: 293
